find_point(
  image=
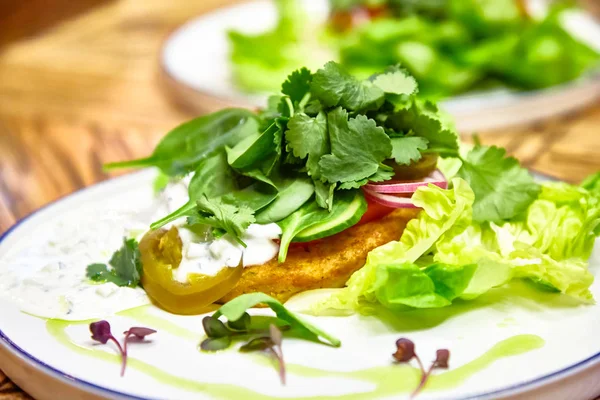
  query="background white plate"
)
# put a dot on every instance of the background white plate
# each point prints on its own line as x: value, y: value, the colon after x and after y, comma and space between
x: 195, y: 59
x: 567, y: 365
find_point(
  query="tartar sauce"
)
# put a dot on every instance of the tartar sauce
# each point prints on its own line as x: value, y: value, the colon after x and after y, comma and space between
x: 48, y: 277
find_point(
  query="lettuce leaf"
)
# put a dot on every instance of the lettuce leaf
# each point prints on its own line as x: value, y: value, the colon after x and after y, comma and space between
x: 444, y: 254
x: 441, y: 210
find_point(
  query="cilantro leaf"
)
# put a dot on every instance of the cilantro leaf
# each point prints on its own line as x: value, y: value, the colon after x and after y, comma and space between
x: 308, y: 137
x: 396, y: 80
x: 424, y: 120
x: 126, y: 266
x: 358, y: 146
x: 333, y: 86
x: 313, y: 107
x: 234, y: 219
x: 100, y: 273
x: 297, y: 84
x: 503, y: 189
x: 384, y: 173
x: 407, y: 149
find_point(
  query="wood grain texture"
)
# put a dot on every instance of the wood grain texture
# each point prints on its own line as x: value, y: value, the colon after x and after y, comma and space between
x: 85, y: 90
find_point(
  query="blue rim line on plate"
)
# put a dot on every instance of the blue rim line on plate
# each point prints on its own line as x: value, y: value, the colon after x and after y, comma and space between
x: 73, y: 381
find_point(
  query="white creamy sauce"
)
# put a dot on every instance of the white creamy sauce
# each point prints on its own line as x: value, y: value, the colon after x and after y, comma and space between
x: 208, y: 257
x: 50, y: 280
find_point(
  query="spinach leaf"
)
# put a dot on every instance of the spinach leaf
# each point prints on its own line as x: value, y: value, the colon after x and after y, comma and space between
x: 255, y: 197
x: 293, y: 193
x: 235, y: 309
x: 212, y: 178
x: 256, y: 153
x: 180, y: 151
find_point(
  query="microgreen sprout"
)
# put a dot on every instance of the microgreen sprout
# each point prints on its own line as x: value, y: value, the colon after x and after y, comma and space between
x: 101, y: 333
x: 405, y: 352
x: 270, y: 344
x: 220, y: 335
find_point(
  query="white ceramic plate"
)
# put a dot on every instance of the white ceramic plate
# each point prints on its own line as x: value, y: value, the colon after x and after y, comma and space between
x: 196, y: 58
x: 544, y: 349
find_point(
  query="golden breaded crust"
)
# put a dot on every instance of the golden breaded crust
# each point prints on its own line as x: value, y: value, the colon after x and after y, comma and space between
x: 327, y: 263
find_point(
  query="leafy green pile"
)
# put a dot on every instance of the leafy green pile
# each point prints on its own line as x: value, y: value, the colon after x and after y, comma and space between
x: 450, y: 47
x: 301, y: 161
x: 445, y: 254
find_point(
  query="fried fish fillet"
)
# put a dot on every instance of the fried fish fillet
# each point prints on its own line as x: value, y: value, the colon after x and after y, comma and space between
x: 327, y: 263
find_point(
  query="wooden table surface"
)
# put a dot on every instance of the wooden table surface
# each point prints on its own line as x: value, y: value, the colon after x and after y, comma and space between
x: 81, y: 87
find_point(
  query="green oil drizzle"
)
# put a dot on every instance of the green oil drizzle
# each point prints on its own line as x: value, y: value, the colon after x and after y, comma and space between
x: 144, y: 316
x: 388, y: 380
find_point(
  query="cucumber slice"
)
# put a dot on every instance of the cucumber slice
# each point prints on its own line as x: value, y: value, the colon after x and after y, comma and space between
x: 343, y: 215
x: 312, y: 222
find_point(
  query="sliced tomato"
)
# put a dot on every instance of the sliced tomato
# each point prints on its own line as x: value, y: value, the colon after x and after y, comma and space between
x: 374, y: 212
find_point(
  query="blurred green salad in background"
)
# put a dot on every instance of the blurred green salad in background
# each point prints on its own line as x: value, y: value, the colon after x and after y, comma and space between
x: 449, y: 46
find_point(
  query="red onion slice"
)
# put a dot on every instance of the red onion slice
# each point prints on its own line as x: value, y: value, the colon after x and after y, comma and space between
x: 436, y: 178
x: 389, y: 200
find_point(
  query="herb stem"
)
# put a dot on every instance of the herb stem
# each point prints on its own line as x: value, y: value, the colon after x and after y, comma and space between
x: 290, y: 106
x: 304, y: 101
x: 424, y: 377
x: 279, y: 357
x: 123, y: 352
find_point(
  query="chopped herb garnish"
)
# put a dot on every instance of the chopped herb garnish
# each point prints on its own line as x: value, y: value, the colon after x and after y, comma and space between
x: 101, y: 333
x: 126, y: 266
x: 405, y: 352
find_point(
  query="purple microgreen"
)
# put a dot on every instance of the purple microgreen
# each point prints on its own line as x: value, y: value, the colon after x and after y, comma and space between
x: 257, y: 344
x: 241, y: 325
x: 269, y: 344
x: 214, y: 328
x: 277, y: 351
x: 405, y: 352
x: 101, y: 333
x: 276, y: 335
x: 441, y: 358
x: 215, y: 344
x: 139, y: 332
